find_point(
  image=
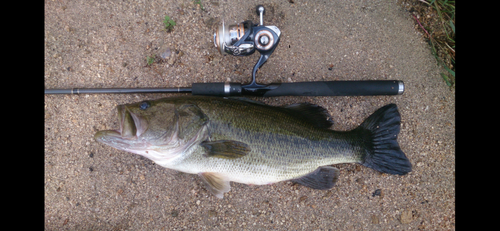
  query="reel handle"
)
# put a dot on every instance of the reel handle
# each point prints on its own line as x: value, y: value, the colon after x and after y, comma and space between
x: 260, y: 11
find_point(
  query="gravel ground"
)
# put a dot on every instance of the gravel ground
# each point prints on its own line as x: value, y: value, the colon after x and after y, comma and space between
x: 105, y: 44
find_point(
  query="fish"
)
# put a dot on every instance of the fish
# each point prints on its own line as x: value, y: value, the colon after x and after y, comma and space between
x: 224, y: 139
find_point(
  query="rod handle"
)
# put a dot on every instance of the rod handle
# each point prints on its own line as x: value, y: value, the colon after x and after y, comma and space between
x: 216, y: 89
x: 338, y: 88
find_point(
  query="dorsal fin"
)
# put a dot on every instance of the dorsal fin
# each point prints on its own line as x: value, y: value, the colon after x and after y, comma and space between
x: 247, y: 100
x: 312, y: 113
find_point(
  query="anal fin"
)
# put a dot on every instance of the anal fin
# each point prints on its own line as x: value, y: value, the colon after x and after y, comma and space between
x: 323, y: 177
x: 215, y: 183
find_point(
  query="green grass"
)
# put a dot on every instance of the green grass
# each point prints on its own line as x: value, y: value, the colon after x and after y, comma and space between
x: 198, y: 2
x: 442, y: 36
x: 169, y: 23
x: 150, y: 60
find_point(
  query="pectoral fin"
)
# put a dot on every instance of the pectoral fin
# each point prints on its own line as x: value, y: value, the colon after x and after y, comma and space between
x: 215, y: 183
x: 227, y: 149
x: 323, y: 177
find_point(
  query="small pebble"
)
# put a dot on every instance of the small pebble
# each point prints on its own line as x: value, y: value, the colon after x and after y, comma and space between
x: 212, y: 213
x: 406, y: 216
x: 165, y: 53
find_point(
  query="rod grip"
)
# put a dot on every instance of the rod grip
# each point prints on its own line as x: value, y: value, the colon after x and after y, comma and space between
x: 338, y: 88
x: 216, y: 89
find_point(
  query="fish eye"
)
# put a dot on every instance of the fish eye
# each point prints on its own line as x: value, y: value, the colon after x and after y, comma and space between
x: 144, y: 105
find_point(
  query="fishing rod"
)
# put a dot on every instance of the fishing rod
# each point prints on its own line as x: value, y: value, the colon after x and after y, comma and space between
x: 320, y: 88
x: 244, y: 39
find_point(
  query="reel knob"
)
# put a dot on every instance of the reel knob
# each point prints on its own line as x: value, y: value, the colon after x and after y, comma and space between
x: 260, y: 11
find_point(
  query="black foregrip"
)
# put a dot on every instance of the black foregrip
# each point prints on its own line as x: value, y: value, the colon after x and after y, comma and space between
x: 216, y: 89
x: 338, y: 88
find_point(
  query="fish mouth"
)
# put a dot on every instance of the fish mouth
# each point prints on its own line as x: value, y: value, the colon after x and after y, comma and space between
x: 132, y: 126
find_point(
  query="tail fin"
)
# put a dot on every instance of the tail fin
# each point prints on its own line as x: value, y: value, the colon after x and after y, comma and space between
x: 383, y: 152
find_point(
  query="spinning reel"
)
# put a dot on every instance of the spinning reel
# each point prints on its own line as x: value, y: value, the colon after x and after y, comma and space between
x: 244, y: 38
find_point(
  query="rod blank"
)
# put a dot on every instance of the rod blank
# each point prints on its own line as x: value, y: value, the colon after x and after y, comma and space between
x: 117, y: 90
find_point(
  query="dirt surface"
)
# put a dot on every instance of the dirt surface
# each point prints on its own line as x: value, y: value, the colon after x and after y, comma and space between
x: 105, y: 44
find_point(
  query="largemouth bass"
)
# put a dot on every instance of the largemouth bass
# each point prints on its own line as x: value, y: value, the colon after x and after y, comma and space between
x: 244, y: 141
